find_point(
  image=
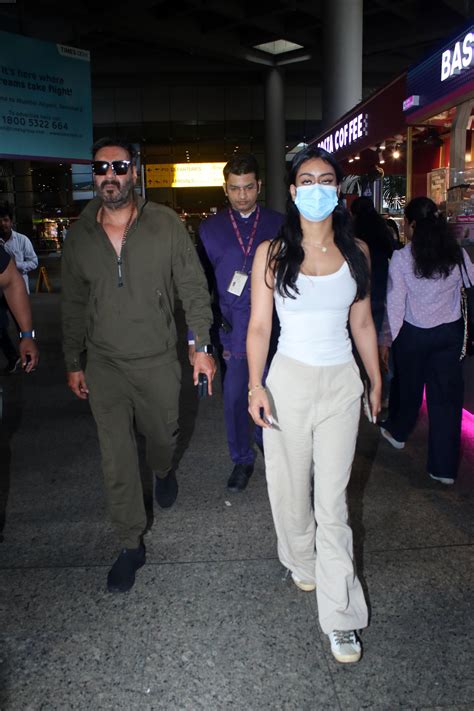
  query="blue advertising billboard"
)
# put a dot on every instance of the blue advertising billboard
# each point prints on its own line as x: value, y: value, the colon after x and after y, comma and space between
x: 45, y: 100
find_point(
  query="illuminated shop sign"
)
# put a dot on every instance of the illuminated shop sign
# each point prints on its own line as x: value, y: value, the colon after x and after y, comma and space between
x: 457, y: 59
x: 413, y: 100
x: 184, y: 175
x: 347, y: 134
x: 444, y: 78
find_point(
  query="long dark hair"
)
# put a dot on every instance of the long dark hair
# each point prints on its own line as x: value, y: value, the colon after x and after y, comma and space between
x: 286, y: 253
x: 434, y: 249
x: 370, y: 227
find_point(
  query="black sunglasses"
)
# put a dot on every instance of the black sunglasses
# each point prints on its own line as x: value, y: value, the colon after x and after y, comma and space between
x: 119, y: 167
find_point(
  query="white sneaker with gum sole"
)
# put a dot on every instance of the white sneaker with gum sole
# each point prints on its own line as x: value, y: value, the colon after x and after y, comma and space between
x: 345, y: 646
x: 307, y: 587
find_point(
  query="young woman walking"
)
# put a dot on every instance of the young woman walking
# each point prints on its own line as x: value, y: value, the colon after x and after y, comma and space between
x: 318, y: 275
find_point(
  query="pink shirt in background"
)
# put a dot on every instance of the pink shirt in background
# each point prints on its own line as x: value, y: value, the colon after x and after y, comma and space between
x: 424, y: 303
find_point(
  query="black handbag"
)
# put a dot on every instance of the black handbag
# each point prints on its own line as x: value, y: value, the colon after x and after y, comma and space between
x: 467, y: 310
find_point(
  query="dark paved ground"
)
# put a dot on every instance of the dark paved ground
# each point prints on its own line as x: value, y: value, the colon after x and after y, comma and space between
x: 212, y: 623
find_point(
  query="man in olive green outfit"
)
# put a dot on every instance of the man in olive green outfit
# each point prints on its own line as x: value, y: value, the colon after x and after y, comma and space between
x: 121, y: 263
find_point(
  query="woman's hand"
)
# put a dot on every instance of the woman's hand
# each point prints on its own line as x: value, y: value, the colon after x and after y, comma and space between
x: 258, y: 401
x: 375, y: 397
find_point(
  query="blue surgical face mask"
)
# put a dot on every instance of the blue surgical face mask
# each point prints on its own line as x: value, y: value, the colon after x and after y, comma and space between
x: 316, y: 202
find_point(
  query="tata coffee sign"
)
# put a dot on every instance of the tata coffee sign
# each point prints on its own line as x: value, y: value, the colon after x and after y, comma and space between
x: 369, y: 123
x: 349, y: 133
x: 444, y: 79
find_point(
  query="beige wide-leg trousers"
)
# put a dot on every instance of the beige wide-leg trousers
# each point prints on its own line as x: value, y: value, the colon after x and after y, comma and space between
x: 316, y: 410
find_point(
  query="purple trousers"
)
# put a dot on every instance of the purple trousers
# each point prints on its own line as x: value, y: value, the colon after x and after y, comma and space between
x: 236, y: 411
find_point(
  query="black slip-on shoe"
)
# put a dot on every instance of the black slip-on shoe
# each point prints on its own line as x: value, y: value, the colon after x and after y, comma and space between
x: 121, y: 576
x: 166, y: 490
x: 240, y: 476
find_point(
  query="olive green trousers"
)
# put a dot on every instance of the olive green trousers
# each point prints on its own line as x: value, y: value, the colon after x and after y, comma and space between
x: 122, y: 397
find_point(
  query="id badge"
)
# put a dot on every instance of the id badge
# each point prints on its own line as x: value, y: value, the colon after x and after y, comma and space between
x: 237, y: 283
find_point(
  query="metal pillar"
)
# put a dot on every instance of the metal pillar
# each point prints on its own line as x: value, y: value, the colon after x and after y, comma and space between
x: 275, y: 188
x: 409, y: 164
x: 342, y: 58
x: 24, y: 198
x: 457, y: 158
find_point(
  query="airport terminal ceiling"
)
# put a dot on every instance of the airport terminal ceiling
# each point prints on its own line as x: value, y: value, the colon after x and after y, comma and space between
x: 214, y: 42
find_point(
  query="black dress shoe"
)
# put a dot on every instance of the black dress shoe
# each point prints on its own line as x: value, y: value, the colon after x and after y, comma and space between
x: 240, y: 476
x: 166, y: 490
x: 121, y: 576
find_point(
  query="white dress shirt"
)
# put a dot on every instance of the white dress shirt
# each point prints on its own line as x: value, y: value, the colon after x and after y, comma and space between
x: 20, y: 248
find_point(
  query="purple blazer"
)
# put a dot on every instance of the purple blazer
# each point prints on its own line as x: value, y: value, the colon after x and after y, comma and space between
x: 226, y: 256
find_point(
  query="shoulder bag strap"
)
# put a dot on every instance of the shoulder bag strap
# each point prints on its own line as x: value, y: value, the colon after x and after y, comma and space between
x: 465, y: 271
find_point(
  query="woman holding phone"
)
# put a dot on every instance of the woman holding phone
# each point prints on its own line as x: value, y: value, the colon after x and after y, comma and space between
x: 318, y: 275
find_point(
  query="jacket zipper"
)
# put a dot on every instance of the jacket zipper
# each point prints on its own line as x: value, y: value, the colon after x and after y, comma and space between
x: 124, y: 239
x: 119, y: 269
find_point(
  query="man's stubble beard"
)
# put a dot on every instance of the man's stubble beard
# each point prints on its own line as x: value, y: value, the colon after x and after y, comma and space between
x: 120, y: 198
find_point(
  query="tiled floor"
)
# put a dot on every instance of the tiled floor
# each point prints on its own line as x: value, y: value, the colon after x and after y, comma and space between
x: 212, y: 623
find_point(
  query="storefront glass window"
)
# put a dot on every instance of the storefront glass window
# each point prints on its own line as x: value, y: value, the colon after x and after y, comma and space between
x: 460, y: 204
x: 394, y: 193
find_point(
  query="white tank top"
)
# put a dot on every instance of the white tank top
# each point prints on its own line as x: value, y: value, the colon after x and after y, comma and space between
x: 314, y: 324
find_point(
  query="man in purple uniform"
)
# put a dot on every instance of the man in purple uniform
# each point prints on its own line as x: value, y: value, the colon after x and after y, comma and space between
x: 230, y: 239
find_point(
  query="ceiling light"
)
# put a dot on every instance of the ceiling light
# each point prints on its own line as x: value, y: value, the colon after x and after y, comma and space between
x: 396, y: 153
x: 382, y: 146
x: 294, y: 58
x: 278, y: 46
x: 293, y: 151
x: 351, y: 159
x: 357, y: 156
x: 381, y: 157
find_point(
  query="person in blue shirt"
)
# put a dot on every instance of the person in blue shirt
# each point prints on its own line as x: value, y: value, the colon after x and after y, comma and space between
x: 19, y: 247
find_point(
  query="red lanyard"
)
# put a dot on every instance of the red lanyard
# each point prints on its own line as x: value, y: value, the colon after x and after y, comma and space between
x: 247, y: 251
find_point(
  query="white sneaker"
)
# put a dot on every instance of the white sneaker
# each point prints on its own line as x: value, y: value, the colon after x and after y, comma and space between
x: 394, y: 442
x: 307, y: 587
x: 15, y: 367
x: 442, y: 479
x: 345, y: 646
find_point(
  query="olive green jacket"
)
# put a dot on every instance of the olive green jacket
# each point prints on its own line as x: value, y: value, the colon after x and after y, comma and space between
x: 133, y: 322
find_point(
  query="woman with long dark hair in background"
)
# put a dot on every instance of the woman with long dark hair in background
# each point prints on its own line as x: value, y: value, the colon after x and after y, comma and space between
x: 424, y: 314
x: 394, y: 233
x: 318, y: 275
x: 372, y: 229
